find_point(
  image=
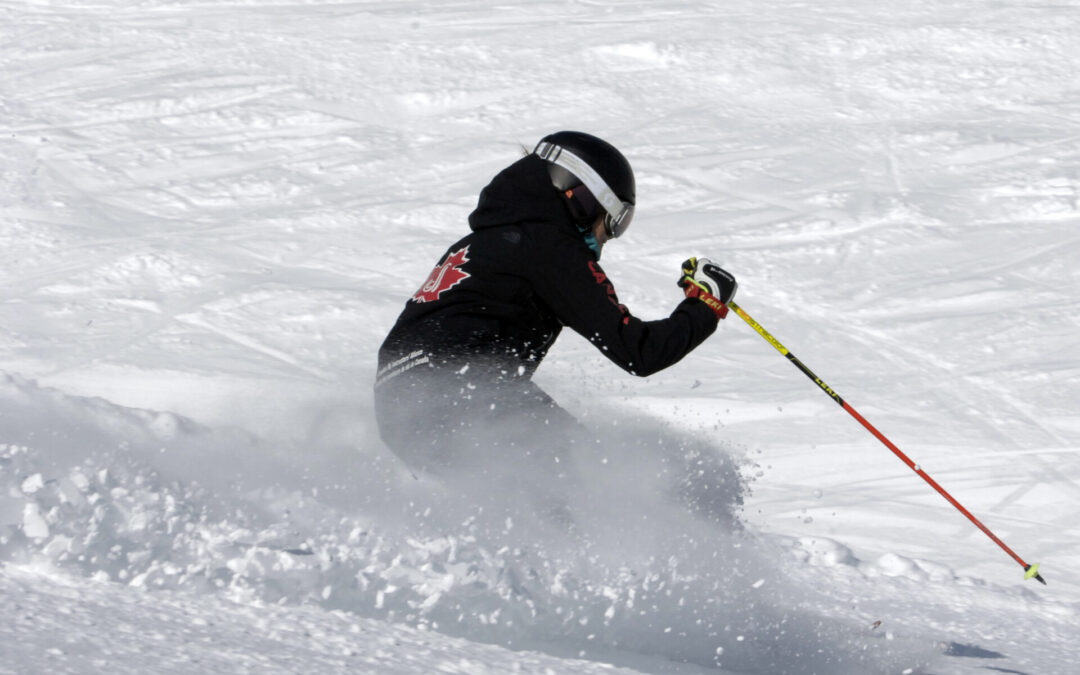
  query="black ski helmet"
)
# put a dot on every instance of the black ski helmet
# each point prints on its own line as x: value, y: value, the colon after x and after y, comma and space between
x: 593, y: 176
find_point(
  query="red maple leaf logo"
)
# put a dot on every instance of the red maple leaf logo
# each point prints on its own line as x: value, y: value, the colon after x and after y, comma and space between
x: 444, y: 277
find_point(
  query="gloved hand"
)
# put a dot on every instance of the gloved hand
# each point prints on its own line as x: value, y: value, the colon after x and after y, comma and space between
x: 705, y: 280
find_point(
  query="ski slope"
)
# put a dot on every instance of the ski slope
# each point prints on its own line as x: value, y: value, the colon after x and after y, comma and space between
x: 212, y: 212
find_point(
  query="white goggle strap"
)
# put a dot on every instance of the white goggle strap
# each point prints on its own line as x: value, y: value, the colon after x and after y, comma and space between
x: 562, y: 157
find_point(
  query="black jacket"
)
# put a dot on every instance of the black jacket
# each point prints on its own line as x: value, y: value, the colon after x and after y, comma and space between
x: 500, y: 296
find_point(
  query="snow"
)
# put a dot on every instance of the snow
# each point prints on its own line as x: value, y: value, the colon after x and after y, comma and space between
x: 211, y: 213
x: 60, y: 622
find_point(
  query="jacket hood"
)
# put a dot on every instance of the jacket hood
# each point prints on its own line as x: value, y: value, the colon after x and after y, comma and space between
x: 522, y: 192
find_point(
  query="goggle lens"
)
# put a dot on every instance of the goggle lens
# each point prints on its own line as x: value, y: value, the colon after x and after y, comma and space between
x: 616, y: 225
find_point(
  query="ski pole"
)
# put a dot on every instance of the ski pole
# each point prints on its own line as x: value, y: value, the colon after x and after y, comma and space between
x: 1031, y: 571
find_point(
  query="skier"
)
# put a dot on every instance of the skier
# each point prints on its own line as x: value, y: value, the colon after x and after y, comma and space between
x: 455, y: 372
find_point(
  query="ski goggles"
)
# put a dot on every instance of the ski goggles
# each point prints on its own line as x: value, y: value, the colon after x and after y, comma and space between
x: 617, y: 212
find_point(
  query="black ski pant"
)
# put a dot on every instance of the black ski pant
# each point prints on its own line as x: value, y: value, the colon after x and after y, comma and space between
x: 438, y: 419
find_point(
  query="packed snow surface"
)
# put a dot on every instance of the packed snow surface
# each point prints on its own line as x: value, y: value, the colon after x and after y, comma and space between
x: 211, y: 214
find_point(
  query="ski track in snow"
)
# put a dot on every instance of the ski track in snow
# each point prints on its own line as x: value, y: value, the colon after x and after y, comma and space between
x: 210, y: 214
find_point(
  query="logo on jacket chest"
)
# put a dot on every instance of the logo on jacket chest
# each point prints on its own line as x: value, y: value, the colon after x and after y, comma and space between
x: 444, y: 277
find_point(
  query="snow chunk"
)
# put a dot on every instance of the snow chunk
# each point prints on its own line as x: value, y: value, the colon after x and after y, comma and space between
x: 33, y: 484
x: 642, y: 52
x: 59, y: 545
x: 34, y: 524
x: 820, y: 551
x: 165, y: 425
x: 894, y: 565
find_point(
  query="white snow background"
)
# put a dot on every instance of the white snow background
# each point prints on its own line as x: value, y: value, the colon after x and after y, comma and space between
x: 212, y: 212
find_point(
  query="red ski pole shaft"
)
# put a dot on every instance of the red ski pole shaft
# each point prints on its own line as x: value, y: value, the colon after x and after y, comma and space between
x: 1032, y: 570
